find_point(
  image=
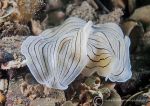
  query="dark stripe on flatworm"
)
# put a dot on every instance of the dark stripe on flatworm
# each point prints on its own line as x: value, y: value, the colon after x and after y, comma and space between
x: 119, y: 73
x: 73, y: 56
x: 63, y: 43
x: 109, y: 42
x: 98, y: 66
x: 99, y: 59
x: 65, y: 57
x: 95, y: 40
x: 68, y: 61
x: 33, y: 62
x: 119, y: 50
x: 41, y: 57
x: 48, y: 52
x: 62, y: 84
x: 38, y: 59
x: 78, y: 34
x: 99, y: 48
x: 68, y: 56
x: 95, y: 53
x: 45, y: 57
x: 60, y: 49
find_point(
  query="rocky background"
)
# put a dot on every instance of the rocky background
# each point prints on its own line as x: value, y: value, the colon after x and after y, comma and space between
x: 22, y: 18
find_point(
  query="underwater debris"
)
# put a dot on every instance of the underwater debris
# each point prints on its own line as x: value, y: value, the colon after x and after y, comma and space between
x: 90, y: 98
x: 7, y: 8
x: 33, y: 91
x: 93, y: 82
x: 22, y: 11
x: 12, y: 45
x: 100, y: 97
x: 5, y: 56
x: 27, y: 9
x: 84, y: 11
x: 114, y: 16
x: 14, y: 64
x: 13, y: 29
x: 87, y: 12
x: 106, y: 6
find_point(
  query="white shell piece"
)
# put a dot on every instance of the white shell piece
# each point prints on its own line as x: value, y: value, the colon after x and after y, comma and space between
x: 58, y: 55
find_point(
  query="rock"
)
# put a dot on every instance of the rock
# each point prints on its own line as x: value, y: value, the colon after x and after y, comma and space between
x: 113, y: 16
x: 36, y: 27
x: 29, y: 79
x: 12, y: 46
x: 44, y: 102
x: 56, y: 17
x: 141, y: 14
x: 135, y: 31
x: 21, y: 93
x: 131, y: 5
x: 2, y: 98
x: 91, y: 97
x: 3, y: 85
x: 54, y: 96
x: 93, y: 82
x: 14, y: 95
x: 55, y: 4
x: 5, y: 56
x: 140, y: 98
x: 146, y: 40
x: 13, y: 28
x: 118, y: 4
x: 83, y: 11
x: 68, y: 103
x: 133, y: 85
x: 93, y: 4
x: 27, y: 10
x: 114, y: 99
x: 32, y: 91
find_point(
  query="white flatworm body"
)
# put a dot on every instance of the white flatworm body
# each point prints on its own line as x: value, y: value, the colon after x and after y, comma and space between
x: 57, y: 56
x: 108, y: 53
